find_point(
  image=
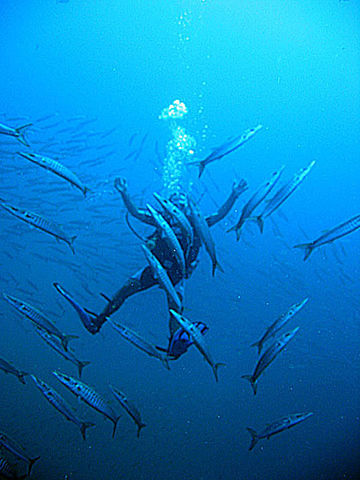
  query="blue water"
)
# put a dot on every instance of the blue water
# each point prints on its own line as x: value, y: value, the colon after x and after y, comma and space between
x: 102, y: 71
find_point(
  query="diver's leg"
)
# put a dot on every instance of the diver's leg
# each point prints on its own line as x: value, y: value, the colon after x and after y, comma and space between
x: 142, y: 280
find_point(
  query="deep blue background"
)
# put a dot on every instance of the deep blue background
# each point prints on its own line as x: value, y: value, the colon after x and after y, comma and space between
x: 293, y: 67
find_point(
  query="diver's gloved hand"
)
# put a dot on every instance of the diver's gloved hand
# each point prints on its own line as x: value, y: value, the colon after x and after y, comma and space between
x: 120, y: 184
x: 239, y: 187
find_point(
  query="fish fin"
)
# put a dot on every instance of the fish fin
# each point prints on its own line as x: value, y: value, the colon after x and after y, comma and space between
x: 115, y: 425
x: 308, y: 247
x: 105, y: 296
x: 254, y: 437
x: 81, y: 365
x: 215, y: 369
x: 142, y: 425
x: 21, y: 376
x: 71, y: 243
x: 20, y: 134
x: 31, y: 463
x: 252, y: 382
x: 65, y: 341
x: 258, y: 345
x: 84, y: 426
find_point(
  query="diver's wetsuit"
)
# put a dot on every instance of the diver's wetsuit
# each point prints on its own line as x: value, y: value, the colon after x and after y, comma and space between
x: 144, y: 279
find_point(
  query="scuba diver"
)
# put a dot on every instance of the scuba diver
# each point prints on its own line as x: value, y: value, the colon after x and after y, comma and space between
x: 159, y: 248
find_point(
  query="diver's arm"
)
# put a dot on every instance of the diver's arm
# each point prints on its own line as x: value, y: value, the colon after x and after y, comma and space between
x: 139, y: 213
x: 237, y: 190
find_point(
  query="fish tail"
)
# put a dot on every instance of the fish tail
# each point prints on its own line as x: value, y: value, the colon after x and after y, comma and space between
x: 201, y: 169
x: 21, y: 377
x: 66, y: 339
x: 216, y: 265
x: 215, y: 369
x: 232, y: 229
x: 84, y: 426
x: 142, y: 425
x: 260, y: 223
x: 86, y: 190
x: 165, y: 362
x: 254, y: 437
x: 71, y: 243
x: 115, y: 425
x: 81, y: 365
x: 20, y: 134
x: 258, y: 345
x: 31, y: 463
x: 308, y: 247
x: 253, y: 383
x: 201, y: 166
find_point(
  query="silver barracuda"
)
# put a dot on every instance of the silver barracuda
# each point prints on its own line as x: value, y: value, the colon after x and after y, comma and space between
x: 283, y: 194
x: 140, y: 343
x: 38, y: 319
x: 268, y: 357
x: 160, y: 274
x: 278, y: 426
x: 56, y: 345
x: 278, y: 324
x: 178, y: 216
x: 56, y: 400
x: 198, y: 340
x: 202, y: 229
x: 43, y: 224
x: 331, y: 235
x: 225, y: 148
x: 130, y: 408
x: 55, y: 167
x: 89, y: 396
x: 169, y: 237
x: 17, y: 132
x: 255, y: 200
x: 8, y: 368
x: 13, y: 447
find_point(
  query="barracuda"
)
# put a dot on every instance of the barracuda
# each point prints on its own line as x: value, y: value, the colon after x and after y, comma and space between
x: 43, y: 224
x: 283, y: 194
x: 278, y: 426
x: 55, y: 167
x: 56, y: 400
x: 140, y: 343
x: 278, y: 324
x: 170, y: 237
x: 38, y: 319
x: 160, y: 274
x: 255, y: 200
x: 268, y: 357
x: 89, y: 396
x: 330, y: 236
x: 198, y: 340
x: 130, y: 408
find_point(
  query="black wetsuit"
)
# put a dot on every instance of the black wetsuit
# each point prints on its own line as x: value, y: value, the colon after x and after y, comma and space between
x: 144, y: 279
